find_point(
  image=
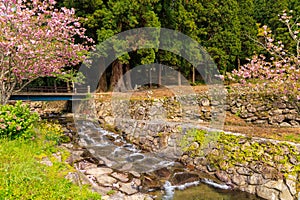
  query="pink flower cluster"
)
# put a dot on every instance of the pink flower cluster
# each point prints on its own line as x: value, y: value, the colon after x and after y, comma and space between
x: 37, y: 40
x: 279, y: 70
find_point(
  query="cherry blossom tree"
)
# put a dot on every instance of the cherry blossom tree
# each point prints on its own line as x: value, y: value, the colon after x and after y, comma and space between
x: 279, y: 69
x: 37, y: 40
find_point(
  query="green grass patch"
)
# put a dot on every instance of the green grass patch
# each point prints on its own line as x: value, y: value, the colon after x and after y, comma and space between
x: 292, y: 138
x: 22, y: 176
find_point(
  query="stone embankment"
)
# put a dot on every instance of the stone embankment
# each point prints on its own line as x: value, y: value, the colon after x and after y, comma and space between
x: 267, y: 168
x: 253, y: 108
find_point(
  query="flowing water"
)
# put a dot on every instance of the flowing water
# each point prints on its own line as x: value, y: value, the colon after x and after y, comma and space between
x: 203, y: 192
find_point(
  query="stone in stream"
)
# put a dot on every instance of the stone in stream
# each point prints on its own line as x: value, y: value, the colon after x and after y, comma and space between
x: 105, y: 180
x: 99, y: 171
x: 122, y: 177
x: 184, y: 177
x: 127, y: 188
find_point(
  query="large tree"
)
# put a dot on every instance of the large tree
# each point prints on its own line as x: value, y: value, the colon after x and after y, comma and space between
x: 36, y: 40
x: 111, y: 17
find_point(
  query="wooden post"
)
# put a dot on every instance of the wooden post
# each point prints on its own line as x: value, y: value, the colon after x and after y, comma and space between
x: 150, y: 78
x: 159, y: 75
x: 193, y: 75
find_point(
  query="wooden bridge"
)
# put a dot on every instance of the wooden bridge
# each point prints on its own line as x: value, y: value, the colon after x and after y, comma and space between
x: 51, y: 93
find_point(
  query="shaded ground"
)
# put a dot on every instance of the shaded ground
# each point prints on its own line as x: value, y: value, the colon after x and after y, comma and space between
x: 232, y: 122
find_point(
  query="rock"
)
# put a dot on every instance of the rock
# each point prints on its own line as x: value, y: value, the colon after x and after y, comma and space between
x: 74, y: 178
x: 75, y: 157
x: 285, y: 193
x: 200, y: 161
x: 255, y: 179
x: 244, y: 171
x: 274, y: 185
x: 260, y: 122
x: 290, y: 116
x: 251, y: 108
x: 291, y: 184
x: 223, y: 176
x: 46, y: 161
x: 276, y: 119
x: 285, y: 124
x: 122, y: 177
x: 211, y: 168
x: 277, y: 112
x: 267, y: 193
x: 184, y: 177
x: 249, y: 188
x: 135, y: 174
x: 121, y: 196
x: 239, y: 179
x: 204, y: 102
x: 137, y: 182
x: 105, y: 180
x: 127, y: 188
x: 163, y: 173
x: 99, y: 171
x: 294, y: 123
x: 270, y: 173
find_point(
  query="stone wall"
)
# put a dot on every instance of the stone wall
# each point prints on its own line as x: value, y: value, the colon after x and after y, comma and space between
x: 48, y: 107
x: 253, y: 108
x: 267, y: 168
x: 265, y: 109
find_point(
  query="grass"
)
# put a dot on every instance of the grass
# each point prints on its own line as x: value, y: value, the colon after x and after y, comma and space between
x: 22, y: 176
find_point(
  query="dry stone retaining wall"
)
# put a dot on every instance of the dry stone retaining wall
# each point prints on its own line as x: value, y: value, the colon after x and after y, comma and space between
x: 253, y: 108
x: 267, y: 168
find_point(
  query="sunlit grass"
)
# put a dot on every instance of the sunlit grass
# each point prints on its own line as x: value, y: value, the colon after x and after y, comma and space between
x: 22, y: 176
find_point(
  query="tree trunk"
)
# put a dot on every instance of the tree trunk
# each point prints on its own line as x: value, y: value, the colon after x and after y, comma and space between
x: 179, y: 78
x: 116, y: 79
x: 68, y: 87
x: 55, y: 86
x: 128, y: 77
x: 6, y: 91
x: 102, y: 84
x: 150, y: 77
x: 159, y: 75
x: 193, y: 75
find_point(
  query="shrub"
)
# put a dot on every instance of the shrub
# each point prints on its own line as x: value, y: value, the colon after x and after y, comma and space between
x: 50, y: 132
x: 16, y: 120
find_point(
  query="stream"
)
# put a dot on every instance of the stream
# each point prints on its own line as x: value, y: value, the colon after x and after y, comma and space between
x: 120, y: 155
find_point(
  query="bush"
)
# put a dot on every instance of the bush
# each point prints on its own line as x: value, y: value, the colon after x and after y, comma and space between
x: 50, y: 132
x: 16, y: 120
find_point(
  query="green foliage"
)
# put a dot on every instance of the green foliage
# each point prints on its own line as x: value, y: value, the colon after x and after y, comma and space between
x: 23, y: 176
x: 111, y: 192
x: 226, y: 29
x: 50, y: 132
x: 196, y: 140
x: 16, y: 120
x: 235, y: 150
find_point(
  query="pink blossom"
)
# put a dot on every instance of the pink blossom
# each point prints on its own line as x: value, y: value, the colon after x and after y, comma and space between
x: 39, y: 39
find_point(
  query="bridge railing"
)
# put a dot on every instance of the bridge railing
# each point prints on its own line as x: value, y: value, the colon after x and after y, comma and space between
x: 57, y: 89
